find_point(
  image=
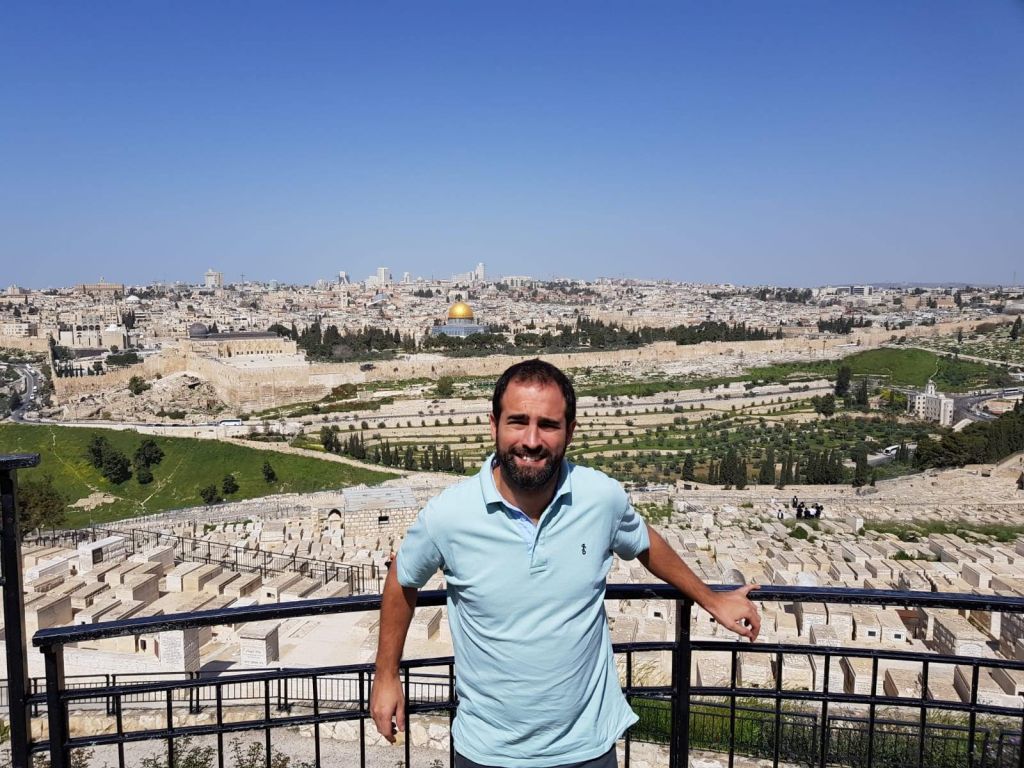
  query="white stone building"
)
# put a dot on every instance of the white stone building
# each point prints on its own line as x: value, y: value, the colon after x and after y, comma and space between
x: 931, y: 406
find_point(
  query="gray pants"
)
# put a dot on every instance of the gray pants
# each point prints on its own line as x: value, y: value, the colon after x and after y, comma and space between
x: 607, y: 760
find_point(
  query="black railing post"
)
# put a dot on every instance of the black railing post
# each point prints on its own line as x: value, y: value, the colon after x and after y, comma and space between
x: 14, y: 607
x: 56, y: 713
x: 679, y: 746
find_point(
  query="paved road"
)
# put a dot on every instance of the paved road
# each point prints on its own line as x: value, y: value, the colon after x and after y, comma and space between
x: 31, y: 380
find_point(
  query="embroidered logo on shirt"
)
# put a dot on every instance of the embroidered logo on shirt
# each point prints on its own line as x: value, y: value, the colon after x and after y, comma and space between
x: 583, y: 549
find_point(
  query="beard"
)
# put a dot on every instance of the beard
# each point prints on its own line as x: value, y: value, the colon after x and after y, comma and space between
x: 528, y: 479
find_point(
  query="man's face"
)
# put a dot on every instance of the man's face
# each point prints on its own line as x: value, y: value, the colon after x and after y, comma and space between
x: 531, y: 435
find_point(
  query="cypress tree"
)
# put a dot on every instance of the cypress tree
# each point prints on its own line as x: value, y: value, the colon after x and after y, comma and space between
x: 688, y: 467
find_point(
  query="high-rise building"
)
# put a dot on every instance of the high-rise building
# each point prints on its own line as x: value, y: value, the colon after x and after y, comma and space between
x: 383, y: 276
x: 213, y: 279
x: 478, y: 273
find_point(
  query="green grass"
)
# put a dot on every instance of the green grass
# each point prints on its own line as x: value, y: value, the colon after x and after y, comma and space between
x: 910, y: 367
x: 915, y: 366
x: 918, y: 529
x: 188, y: 465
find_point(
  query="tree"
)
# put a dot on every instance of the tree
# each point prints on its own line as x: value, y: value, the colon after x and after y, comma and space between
x: 1015, y: 329
x: 40, y: 505
x: 843, y: 381
x: 209, y: 494
x: 860, y: 396
x: 860, y: 472
x: 115, y: 466
x: 766, y: 475
x: 148, y: 454
x: 959, y: 335
x: 445, y: 386
x: 96, y: 450
x: 137, y: 385
x: 14, y: 403
x: 824, y: 404
x: 329, y: 439
x: 269, y: 475
x: 230, y: 485
x: 144, y: 475
x: 688, y: 467
x: 786, y: 475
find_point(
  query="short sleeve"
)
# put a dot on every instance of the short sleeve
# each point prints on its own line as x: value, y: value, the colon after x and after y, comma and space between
x: 419, y: 558
x: 630, y: 538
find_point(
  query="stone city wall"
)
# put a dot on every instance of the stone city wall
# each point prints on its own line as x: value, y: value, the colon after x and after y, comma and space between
x: 25, y: 343
x: 253, y: 386
x: 68, y: 388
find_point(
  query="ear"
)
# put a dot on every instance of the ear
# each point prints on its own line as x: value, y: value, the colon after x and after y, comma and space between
x: 494, y: 428
x: 569, y: 430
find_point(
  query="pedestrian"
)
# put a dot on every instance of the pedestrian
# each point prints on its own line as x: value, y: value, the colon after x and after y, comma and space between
x: 525, y: 547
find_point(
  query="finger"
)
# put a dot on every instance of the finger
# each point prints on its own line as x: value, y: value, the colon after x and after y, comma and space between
x: 400, y: 717
x: 384, y: 726
x: 755, y: 625
x: 742, y: 628
x: 746, y: 589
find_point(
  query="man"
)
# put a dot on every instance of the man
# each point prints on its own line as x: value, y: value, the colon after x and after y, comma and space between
x: 525, y: 547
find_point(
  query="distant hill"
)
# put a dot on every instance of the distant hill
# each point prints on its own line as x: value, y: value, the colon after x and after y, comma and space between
x: 187, y: 467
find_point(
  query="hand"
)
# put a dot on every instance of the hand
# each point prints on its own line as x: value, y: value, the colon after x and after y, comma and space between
x: 734, y: 611
x: 387, y: 705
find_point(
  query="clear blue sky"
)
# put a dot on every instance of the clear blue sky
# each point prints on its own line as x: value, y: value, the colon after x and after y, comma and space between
x: 797, y: 142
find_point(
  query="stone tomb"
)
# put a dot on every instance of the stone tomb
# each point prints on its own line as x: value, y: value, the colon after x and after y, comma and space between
x: 92, y: 553
x: 258, y: 644
x: 245, y: 584
x: 179, y: 649
x: 143, y: 587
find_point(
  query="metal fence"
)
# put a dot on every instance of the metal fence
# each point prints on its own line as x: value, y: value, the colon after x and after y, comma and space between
x: 778, y: 723
x: 362, y: 578
x: 784, y: 722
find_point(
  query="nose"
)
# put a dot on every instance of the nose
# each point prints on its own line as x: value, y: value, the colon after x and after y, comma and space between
x: 531, y: 437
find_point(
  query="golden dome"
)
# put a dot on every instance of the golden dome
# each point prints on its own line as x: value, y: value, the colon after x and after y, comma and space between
x: 460, y: 310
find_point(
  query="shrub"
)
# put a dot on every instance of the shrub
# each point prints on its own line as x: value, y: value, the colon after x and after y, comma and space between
x: 209, y: 494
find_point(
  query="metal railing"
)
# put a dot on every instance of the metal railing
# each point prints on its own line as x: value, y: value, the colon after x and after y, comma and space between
x: 815, y: 726
x: 863, y: 724
x: 361, y: 578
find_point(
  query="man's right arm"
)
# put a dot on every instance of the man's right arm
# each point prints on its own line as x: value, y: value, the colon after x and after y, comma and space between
x: 387, y: 700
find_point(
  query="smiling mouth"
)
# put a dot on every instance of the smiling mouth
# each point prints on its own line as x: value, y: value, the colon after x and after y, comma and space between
x: 530, y: 459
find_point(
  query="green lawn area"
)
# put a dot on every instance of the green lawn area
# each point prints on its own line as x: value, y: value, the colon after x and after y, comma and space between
x: 916, y: 366
x: 188, y: 465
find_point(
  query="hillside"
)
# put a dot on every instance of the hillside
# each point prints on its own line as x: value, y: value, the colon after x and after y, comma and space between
x: 188, y: 465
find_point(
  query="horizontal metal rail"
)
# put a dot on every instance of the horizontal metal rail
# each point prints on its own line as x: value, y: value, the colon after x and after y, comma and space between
x: 57, y: 636
x: 776, y: 722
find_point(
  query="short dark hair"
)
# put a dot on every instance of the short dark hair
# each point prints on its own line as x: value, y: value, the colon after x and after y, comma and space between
x: 535, y: 370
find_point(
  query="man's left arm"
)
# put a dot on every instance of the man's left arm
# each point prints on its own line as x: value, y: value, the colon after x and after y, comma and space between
x: 733, y: 609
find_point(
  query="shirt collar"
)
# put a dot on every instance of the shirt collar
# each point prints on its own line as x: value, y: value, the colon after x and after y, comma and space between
x: 492, y: 497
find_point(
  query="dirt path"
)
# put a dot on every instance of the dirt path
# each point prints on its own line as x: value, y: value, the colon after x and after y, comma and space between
x: 285, y: 448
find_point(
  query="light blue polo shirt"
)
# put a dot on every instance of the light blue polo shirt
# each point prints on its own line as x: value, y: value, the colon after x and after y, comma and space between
x: 535, y: 673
